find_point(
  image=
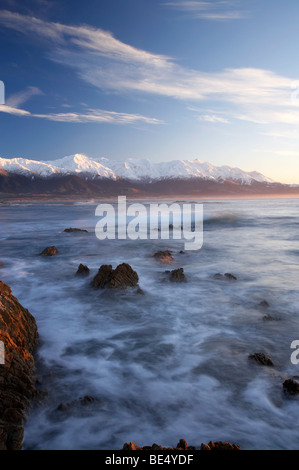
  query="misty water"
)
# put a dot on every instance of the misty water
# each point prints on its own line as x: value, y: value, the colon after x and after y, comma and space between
x: 172, y: 363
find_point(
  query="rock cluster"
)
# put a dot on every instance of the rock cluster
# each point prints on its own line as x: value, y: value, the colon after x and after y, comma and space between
x: 18, y: 332
x: 182, y: 445
x: 120, y: 277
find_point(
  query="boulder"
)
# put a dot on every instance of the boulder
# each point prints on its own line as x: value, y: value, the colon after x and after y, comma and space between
x: 82, y: 270
x: 18, y: 332
x: 291, y: 386
x: 121, y: 277
x: 164, y: 256
x: 261, y: 359
x: 177, y: 275
x: 49, y: 251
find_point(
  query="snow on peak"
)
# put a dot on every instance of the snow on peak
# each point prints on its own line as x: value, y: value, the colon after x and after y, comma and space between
x: 131, y: 169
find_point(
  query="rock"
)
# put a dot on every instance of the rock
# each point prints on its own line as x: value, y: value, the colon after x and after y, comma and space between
x: 228, y: 276
x: 83, y: 270
x: 291, y: 386
x: 18, y: 332
x: 121, y: 277
x: 264, y: 303
x: 177, y: 275
x: 182, y: 445
x: 261, y: 359
x: 75, y: 230
x: 83, y: 401
x: 1, y: 265
x: 164, y: 256
x: 49, y: 251
x: 219, y: 445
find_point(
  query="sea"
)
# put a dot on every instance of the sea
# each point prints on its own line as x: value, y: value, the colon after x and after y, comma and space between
x: 115, y: 366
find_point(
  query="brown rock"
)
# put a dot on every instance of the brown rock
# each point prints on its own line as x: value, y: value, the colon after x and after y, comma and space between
x: 49, y: 251
x: 83, y: 270
x: 262, y: 359
x: 18, y: 332
x: 121, y: 277
x: 219, y: 445
x: 177, y: 275
x: 164, y: 256
x: 182, y: 445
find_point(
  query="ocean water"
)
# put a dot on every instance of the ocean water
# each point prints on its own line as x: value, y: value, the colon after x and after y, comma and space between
x: 172, y: 363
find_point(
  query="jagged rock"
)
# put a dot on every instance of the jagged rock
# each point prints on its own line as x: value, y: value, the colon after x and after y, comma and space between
x: 83, y: 270
x: 75, y: 230
x: 49, y: 251
x: 18, y: 332
x: 291, y: 386
x: 177, y: 275
x: 164, y: 256
x: 182, y: 445
x: 262, y: 359
x: 219, y: 445
x: 121, y: 277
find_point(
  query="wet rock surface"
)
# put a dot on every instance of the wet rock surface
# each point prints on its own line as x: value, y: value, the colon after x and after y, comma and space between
x: 164, y: 256
x: 71, y: 230
x: 177, y: 275
x: 83, y: 270
x: 291, y: 386
x: 262, y: 359
x: 18, y: 332
x: 121, y: 277
x: 49, y: 251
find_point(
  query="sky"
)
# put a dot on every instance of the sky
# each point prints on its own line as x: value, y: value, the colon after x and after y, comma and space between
x: 216, y: 80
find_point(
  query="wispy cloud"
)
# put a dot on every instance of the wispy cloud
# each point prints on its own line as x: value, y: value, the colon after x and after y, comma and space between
x: 209, y: 10
x: 91, y: 115
x: 17, y: 99
x: 247, y: 94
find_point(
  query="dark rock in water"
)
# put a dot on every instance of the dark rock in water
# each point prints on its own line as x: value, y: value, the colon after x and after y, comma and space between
x: 83, y: 401
x: 291, y: 386
x: 219, y: 445
x: 75, y: 230
x: 264, y: 303
x: 83, y: 270
x: 18, y: 332
x: 164, y: 256
x: 182, y: 252
x: 182, y: 445
x: 262, y: 359
x: 49, y: 251
x: 228, y: 276
x: 121, y: 277
x: 177, y: 275
x: 1, y: 265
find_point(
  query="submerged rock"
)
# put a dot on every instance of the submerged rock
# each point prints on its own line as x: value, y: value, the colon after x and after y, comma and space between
x: 49, y: 251
x: 18, y: 332
x: 177, y: 275
x: 83, y: 270
x: 261, y: 359
x: 83, y: 401
x: 121, y: 277
x: 291, y: 386
x: 228, y: 276
x: 264, y: 303
x: 164, y: 256
x: 69, y: 230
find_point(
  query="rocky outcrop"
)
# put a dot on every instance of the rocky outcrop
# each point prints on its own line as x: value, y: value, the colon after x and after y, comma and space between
x: 18, y: 332
x: 70, y: 230
x: 121, y: 277
x: 291, y: 386
x: 177, y: 275
x: 182, y: 445
x: 49, y: 251
x: 82, y: 270
x: 262, y: 359
x: 164, y: 256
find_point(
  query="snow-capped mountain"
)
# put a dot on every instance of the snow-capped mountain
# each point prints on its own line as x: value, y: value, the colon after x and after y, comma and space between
x: 130, y: 170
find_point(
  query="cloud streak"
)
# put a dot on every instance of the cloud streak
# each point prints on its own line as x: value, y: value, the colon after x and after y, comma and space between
x: 209, y: 10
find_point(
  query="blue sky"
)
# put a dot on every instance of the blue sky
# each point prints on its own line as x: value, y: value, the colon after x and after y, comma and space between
x: 216, y: 80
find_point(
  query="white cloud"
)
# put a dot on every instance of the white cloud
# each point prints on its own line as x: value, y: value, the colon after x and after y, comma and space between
x: 207, y: 10
x: 213, y: 118
x: 17, y: 99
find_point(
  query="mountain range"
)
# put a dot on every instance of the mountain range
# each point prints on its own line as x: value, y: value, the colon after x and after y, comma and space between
x: 79, y: 175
